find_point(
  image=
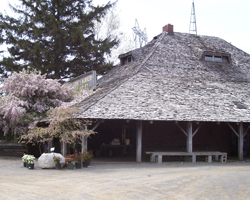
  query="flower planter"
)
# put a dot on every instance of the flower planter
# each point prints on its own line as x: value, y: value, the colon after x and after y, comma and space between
x: 78, y: 165
x: 70, y: 166
x: 58, y: 166
x: 30, y: 166
x: 88, y: 162
x: 28, y: 161
x: 85, y: 164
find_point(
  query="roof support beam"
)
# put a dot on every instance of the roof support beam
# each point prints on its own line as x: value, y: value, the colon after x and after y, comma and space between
x: 189, y: 137
x: 181, y: 128
x: 64, y: 148
x: 240, y: 134
x: 97, y: 124
x: 198, y: 128
x: 189, y: 134
x: 233, y: 130
x: 85, y: 138
x: 240, y: 141
x: 84, y: 142
x: 246, y: 130
x: 138, y: 140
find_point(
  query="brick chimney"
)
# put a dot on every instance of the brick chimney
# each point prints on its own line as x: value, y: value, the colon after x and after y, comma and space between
x: 169, y: 28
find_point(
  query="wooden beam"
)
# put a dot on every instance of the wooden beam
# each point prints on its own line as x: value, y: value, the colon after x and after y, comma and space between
x: 181, y: 129
x: 84, y: 142
x: 189, y: 137
x: 240, y: 141
x: 85, y: 138
x: 64, y: 148
x: 233, y: 129
x: 246, y: 131
x: 97, y: 124
x: 138, y: 141
x: 49, y: 146
x: 198, y: 128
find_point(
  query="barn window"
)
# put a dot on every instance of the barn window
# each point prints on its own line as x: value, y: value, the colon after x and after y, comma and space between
x: 208, y: 58
x: 218, y: 57
x: 213, y: 58
x: 127, y: 59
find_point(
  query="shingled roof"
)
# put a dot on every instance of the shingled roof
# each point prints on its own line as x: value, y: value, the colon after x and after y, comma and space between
x: 170, y: 80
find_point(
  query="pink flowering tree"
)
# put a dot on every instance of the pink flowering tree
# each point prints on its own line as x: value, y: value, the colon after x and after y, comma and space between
x: 62, y: 122
x: 26, y: 97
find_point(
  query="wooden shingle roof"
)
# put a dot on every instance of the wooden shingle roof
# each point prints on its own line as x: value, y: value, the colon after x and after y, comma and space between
x: 170, y: 80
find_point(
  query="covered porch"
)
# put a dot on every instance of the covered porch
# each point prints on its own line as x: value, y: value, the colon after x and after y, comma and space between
x: 168, y: 136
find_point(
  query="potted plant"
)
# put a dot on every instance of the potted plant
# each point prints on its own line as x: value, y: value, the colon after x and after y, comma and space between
x: 30, y: 161
x: 57, y: 162
x: 24, y: 159
x: 86, y: 157
x: 69, y: 159
x: 78, y: 159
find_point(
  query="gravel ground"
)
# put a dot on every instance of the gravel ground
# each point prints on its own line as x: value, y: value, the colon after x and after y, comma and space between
x: 126, y: 180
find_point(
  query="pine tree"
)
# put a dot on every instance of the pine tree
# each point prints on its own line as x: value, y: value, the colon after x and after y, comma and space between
x: 55, y: 37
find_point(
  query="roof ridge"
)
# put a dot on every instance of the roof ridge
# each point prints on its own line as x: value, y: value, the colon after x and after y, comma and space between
x: 151, y: 51
x: 150, y: 54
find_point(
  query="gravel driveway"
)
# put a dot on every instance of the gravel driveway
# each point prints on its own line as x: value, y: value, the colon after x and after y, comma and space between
x: 126, y: 180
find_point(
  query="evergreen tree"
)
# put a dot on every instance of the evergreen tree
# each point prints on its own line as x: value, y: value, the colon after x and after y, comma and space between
x: 55, y: 37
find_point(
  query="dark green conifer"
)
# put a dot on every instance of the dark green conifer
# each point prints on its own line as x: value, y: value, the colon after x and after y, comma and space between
x: 55, y: 37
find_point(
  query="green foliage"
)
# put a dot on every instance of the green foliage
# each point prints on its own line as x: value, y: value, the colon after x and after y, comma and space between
x: 8, y: 137
x: 56, y: 160
x: 87, y: 155
x: 55, y: 37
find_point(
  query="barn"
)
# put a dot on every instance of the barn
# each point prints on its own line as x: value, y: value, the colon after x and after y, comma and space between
x: 179, y: 93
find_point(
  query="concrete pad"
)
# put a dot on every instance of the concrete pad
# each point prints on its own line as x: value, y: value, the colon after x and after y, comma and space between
x: 126, y: 180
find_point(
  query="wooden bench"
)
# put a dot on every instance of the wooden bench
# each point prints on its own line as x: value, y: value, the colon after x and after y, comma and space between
x: 156, y: 156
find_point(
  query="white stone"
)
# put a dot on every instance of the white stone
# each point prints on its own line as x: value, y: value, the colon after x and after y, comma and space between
x: 46, y: 160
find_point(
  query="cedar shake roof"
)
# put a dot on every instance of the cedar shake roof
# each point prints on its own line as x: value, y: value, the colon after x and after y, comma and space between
x: 170, y: 80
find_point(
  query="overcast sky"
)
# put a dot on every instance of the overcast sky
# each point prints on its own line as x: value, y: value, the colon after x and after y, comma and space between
x: 227, y: 19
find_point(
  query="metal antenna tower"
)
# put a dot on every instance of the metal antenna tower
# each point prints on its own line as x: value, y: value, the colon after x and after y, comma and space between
x: 192, y: 25
x: 141, y: 35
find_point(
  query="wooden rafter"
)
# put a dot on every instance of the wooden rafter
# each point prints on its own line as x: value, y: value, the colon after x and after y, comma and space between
x: 246, y: 130
x: 181, y: 128
x: 198, y: 128
x: 233, y: 129
x: 97, y: 124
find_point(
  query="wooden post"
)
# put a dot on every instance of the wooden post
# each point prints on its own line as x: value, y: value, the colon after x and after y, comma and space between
x: 138, y: 141
x: 84, y: 143
x: 189, y: 137
x: 240, y: 141
x: 50, y: 144
x: 64, y: 148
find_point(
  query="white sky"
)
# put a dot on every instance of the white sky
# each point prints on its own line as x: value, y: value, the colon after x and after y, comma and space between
x: 227, y: 19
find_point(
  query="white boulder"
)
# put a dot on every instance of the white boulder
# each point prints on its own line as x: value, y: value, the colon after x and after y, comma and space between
x: 46, y: 160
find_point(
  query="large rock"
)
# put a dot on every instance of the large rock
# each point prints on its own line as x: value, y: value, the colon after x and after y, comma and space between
x: 46, y: 160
